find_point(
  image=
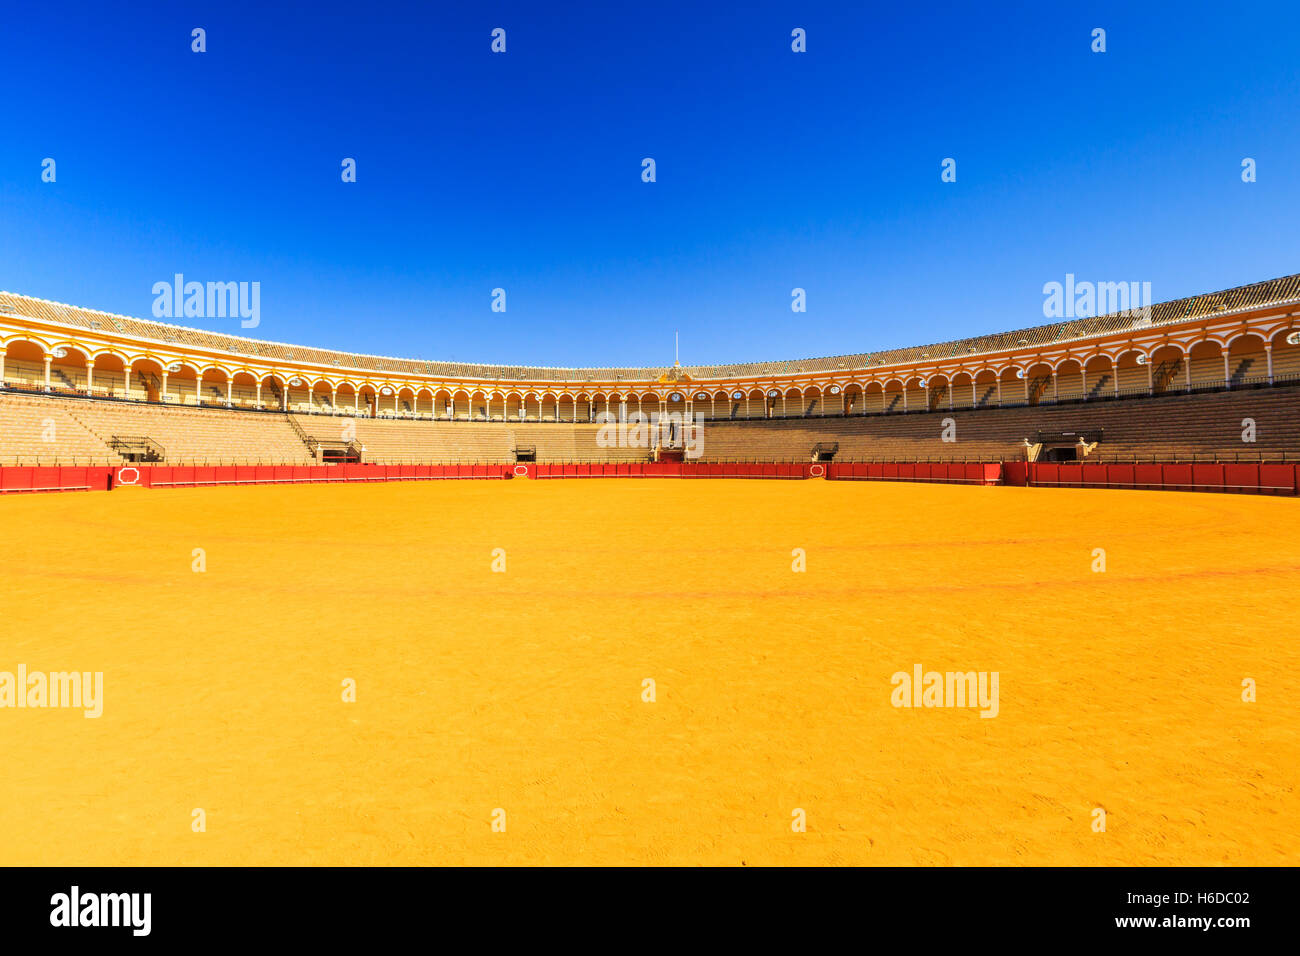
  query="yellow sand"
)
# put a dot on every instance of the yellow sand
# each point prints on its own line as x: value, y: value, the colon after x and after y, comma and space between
x: 523, y: 690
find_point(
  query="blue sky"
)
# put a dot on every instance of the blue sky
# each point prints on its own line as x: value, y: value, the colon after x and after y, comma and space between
x: 522, y: 170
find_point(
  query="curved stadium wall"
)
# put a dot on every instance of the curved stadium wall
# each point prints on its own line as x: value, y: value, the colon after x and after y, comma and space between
x: 1235, y: 338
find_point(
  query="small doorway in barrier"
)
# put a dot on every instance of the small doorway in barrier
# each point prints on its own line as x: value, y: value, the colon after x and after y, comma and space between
x: 1060, y: 453
x: 340, y: 456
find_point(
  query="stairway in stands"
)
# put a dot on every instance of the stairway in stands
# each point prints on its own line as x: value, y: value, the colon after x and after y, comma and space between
x: 309, y: 442
x: 1165, y: 373
x: 108, y: 445
x: 149, y: 382
x: 1240, y: 371
x: 1103, y: 382
x: 63, y: 379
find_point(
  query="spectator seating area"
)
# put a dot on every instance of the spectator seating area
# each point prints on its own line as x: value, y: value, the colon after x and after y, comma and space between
x: 1200, y: 426
x: 1240, y: 425
x: 85, y: 429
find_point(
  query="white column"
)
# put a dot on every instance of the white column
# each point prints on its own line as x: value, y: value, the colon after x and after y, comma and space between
x: 257, y: 398
x: 1227, y: 379
x: 1268, y: 354
x: 90, y: 373
x: 127, y: 379
x: 999, y: 391
x: 974, y: 394
x: 48, y: 360
x: 163, y: 395
x: 1187, y: 368
x: 1083, y: 376
x: 1151, y: 381
x: 230, y: 391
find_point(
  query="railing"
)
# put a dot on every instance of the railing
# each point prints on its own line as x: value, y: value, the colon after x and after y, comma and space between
x: 298, y: 430
x: 221, y: 462
x: 141, y: 445
x: 1088, y: 436
x: 1106, y: 394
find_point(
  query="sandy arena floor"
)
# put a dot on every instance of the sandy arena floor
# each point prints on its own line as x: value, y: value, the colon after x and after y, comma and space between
x: 522, y: 690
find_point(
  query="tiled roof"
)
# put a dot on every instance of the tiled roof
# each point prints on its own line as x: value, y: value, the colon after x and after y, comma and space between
x: 1257, y: 295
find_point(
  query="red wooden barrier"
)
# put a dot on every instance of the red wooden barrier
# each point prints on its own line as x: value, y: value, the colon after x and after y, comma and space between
x: 1208, y: 476
x: 1093, y: 473
x: 1249, y: 478
x: 1280, y: 478
x: 1239, y: 477
x: 1015, y: 473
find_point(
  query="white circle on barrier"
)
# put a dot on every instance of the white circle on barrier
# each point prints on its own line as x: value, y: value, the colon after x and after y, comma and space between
x: 816, y: 471
x: 521, y: 470
x: 123, y: 471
